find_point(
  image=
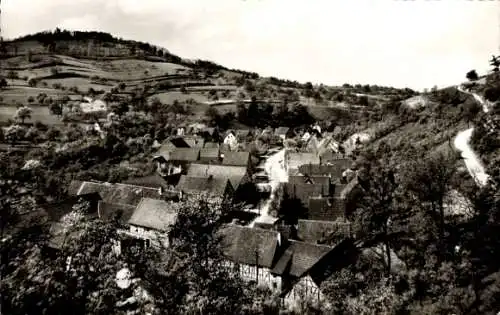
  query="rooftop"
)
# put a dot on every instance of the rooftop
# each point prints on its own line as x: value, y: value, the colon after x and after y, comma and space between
x: 153, y: 214
x: 300, y: 257
x: 212, y: 185
x: 250, y: 246
x: 236, y: 158
x: 235, y: 174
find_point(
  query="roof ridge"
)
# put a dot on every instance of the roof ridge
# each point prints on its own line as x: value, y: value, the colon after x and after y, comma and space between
x: 311, y: 244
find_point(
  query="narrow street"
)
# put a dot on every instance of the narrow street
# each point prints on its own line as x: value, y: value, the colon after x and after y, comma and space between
x: 275, y: 169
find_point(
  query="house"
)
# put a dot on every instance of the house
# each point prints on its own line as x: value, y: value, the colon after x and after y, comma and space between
x: 180, y: 131
x: 326, y: 209
x: 304, y: 191
x: 306, y: 136
x: 324, y: 181
x: 177, y: 160
x: 329, y: 151
x: 237, y: 175
x: 116, y: 200
x: 93, y: 106
x: 323, y: 232
x: 151, y: 221
x: 296, y: 159
x: 305, y: 187
x: 304, y: 266
x: 236, y: 158
x: 252, y: 252
x: 312, y: 145
x: 282, y: 132
x: 210, y: 185
x: 231, y: 140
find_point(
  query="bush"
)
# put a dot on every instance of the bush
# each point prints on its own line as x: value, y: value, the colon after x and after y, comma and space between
x: 472, y: 75
x: 32, y: 82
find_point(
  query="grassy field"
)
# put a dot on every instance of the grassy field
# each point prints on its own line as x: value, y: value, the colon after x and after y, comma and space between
x: 39, y: 113
x: 56, y: 74
x: 20, y: 94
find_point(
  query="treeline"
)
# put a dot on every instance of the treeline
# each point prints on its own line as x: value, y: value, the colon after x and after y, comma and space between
x: 51, y: 40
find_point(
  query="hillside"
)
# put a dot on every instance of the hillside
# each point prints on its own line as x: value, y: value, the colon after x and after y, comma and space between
x: 67, y: 65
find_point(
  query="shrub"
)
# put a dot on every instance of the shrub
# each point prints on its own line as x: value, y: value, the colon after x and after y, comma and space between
x: 32, y: 82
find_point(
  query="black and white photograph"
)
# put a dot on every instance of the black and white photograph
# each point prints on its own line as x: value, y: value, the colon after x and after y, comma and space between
x: 250, y: 157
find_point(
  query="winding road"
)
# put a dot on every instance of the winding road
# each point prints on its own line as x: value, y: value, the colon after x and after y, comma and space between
x: 462, y: 144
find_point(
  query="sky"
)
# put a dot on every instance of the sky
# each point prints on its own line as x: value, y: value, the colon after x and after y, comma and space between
x: 400, y: 43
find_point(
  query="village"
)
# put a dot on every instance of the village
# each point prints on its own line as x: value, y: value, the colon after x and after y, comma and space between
x: 205, y: 160
x: 287, y: 219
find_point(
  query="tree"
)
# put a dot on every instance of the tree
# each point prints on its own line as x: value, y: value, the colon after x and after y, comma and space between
x: 22, y: 114
x: 212, y: 114
x: 32, y: 82
x: 53, y: 134
x: 428, y: 181
x: 15, y: 133
x: 492, y: 94
x: 472, y: 75
x: 495, y: 63
x: 3, y: 83
x: 55, y: 109
x: 470, y: 110
x: 377, y: 206
x: 12, y: 75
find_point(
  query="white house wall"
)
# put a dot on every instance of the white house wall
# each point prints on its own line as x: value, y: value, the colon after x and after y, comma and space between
x: 155, y: 237
x: 231, y: 141
x: 249, y: 273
